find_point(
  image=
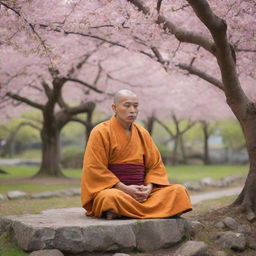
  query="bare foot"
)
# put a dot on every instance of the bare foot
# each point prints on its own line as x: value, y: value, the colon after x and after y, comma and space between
x: 112, y: 215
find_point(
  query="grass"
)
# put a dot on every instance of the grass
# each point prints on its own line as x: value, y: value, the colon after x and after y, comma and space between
x: 186, y: 173
x: 180, y: 173
x: 33, y: 206
x: 27, y: 171
x: 7, y: 247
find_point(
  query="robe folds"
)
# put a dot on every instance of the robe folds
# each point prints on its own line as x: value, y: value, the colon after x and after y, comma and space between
x: 110, y: 147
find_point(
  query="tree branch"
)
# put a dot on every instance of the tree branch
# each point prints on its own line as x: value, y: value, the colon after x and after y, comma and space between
x: 194, y: 71
x: 25, y: 100
x: 85, y: 84
x: 224, y: 54
x: 165, y: 127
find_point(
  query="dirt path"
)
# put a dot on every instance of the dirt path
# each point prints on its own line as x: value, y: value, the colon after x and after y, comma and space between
x: 215, y: 194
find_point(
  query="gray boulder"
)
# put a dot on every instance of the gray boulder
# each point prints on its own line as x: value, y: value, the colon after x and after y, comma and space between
x: 220, y: 224
x: 243, y: 229
x: 192, y: 248
x: 251, y: 241
x: 231, y: 223
x: 50, y: 252
x: 196, y: 226
x: 193, y: 185
x: 16, y: 194
x: 231, y: 240
x: 71, y: 232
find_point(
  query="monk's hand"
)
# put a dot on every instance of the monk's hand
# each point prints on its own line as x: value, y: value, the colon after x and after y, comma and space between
x: 146, y: 189
x: 132, y: 190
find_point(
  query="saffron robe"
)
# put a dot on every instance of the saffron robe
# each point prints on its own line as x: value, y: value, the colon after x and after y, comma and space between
x: 110, y: 144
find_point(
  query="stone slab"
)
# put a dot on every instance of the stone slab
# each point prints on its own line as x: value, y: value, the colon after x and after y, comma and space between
x: 70, y: 231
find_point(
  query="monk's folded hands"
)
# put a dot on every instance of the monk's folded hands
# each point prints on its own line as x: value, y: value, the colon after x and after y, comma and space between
x: 138, y: 192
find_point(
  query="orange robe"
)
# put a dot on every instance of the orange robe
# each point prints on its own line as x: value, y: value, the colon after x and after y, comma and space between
x: 109, y: 144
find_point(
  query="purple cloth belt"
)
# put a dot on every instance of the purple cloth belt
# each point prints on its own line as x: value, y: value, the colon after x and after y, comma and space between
x: 129, y: 174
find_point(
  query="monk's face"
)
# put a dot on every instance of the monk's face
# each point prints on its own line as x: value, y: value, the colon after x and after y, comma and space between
x: 126, y: 109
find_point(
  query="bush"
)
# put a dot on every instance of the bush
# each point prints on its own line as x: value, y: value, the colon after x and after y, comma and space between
x: 72, y: 157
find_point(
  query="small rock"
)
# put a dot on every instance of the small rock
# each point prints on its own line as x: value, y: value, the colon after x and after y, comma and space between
x: 231, y: 240
x: 207, y: 181
x: 121, y: 254
x: 192, y: 248
x: 231, y: 223
x: 196, y: 226
x: 251, y: 241
x: 243, y: 229
x: 220, y: 225
x: 45, y: 194
x: 2, y: 197
x: 194, y: 186
x: 220, y: 253
x: 71, y: 192
x: 53, y: 252
x: 15, y: 194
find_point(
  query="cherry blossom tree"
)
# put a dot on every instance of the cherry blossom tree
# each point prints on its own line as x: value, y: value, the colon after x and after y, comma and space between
x: 180, y: 35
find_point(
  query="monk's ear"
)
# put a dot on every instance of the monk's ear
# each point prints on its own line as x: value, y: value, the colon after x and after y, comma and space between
x: 114, y: 107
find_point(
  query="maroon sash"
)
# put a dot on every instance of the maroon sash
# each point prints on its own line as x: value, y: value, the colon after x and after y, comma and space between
x: 129, y: 174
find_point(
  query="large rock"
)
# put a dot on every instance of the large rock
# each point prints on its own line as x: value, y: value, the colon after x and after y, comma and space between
x: 16, y: 194
x: 70, y: 231
x: 192, y: 248
x: 232, y: 240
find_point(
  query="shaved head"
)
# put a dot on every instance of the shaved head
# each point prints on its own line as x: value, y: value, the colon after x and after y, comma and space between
x: 121, y: 93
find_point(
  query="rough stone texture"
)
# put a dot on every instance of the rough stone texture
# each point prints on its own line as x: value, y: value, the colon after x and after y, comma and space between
x: 251, y: 242
x: 70, y: 231
x: 53, y: 252
x: 15, y: 194
x: 231, y: 223
x: 220, y: 224
x: 192, y: 248
x: 196, y: 226
x: 243, y: 229
x: 231, y: 240
x: 220, y: 253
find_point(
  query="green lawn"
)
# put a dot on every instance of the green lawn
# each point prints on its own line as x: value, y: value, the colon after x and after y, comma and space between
x: 186, y: 173
x: 180, y: 173
x: 26, y: 171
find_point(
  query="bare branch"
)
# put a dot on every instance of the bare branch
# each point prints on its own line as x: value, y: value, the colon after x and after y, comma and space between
x: 140, y: 5
x: 165, y: 127
x: 25, y: 100
x: 158, y: 7
x: 201, y: 74
x: 187, y: 36
x: 85, y: 84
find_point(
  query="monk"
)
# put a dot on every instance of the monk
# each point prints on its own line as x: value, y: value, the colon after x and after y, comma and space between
x: 123, y: 174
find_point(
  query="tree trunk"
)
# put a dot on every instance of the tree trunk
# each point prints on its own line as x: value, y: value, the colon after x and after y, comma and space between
x: 183, y: 150
x: 89, y: 124
x: 50, y: 165
x: 150, y: 124
x: 175, y: 151
x: 247, y: 199
x: 206, y: 157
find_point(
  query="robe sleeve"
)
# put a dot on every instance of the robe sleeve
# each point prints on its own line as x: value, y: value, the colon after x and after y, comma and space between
x: 96, y: 176
x: 155, y: 169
